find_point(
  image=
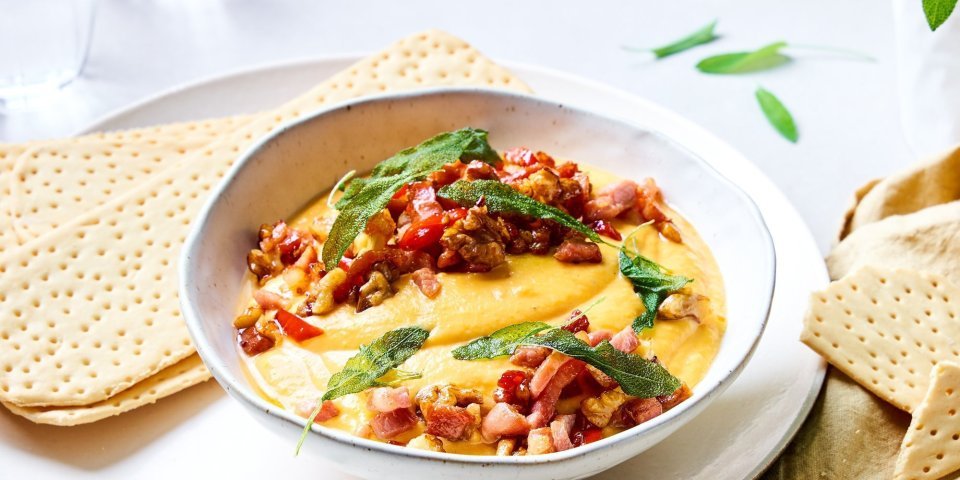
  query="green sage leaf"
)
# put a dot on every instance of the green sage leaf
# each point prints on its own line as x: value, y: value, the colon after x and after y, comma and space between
x: 777, y: 114
x: 363, y: 370
x: 764, y: 58
x: 702, y: 36
x: 651, y: 282
x: 938, y: 11
x: 499, y: 343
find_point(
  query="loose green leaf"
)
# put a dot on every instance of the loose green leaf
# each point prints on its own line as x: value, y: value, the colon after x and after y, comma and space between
x: 365, y: 197
x: 652, y: 284
x: 499, y: 343
x: 636, y: 375
x: 365, y: 369
x: 500, y: 197
x: 777, y: 114
x: 764, y: 58
x: 937, y: 12
x: 700, y: 37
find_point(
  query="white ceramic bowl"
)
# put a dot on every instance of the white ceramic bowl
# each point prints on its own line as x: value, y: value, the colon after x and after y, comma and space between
x: 287, y: 169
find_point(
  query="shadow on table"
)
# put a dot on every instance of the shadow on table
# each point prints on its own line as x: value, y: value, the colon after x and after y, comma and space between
x: 100, y: 444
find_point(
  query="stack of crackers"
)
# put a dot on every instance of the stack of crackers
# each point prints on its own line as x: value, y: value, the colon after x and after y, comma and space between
x: 891, y: 318
x: 91, y: 229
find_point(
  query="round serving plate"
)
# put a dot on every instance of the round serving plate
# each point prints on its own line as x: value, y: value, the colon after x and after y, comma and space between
x: 737, y: 436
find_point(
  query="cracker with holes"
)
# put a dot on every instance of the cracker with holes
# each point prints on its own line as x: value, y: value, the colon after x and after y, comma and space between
x: 886, y: 329
x: 931, y: 448
x: 89, y: 309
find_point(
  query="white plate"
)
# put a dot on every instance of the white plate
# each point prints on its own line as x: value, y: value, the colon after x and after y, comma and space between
x: 736, y: 437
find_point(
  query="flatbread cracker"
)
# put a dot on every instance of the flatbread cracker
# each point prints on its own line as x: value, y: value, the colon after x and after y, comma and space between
x: 184, y: 374
x: 928, y: 241
x: 94, y: 309
x: 886, y: 329
x: 858, y: 195
x: 931, y: 448
x: 930, y: 183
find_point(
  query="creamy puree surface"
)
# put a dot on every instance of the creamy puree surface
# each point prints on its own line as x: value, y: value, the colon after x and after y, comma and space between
x: 470, y: 305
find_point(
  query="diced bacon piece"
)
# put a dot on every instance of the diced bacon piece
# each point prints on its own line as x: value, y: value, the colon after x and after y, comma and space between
x: 327, y: 410
x: 426, y: 280
x: 386, y: 399
x: 625, y: 340
x: 674, y: 399
x: 540, y: 441
x: 545, y: 372
x: 577, y: 251
x: 578, y: 322
x: 598, y: 336
x: 545, y: 406
x: 640, y: 410
x: 611, y: 201
x: 529, y: 356
x: 604, y: 380
x: 268, y: 300
x: 503, y: 420
x: 560, y: 429
x: 253, y: 342
x: 387, y: 425
x: 450, y: 422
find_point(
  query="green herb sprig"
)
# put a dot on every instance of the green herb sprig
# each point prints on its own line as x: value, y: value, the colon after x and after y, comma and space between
x: 777, y: 114
x: 365, y: 369
x: 763, y: 58
x: 702, y: 36
x: 651, y: 283
x: 636, y: 375
x: 365, y: 197
x: 938, y: 11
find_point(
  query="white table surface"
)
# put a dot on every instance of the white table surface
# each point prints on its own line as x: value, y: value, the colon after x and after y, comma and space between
x: 847, y: 111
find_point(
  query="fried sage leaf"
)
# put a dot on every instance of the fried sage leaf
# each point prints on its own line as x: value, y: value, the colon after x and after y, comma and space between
x: 700, y: 37
x: 636, y: 375
x: 651, y: 283
x: 499, y: 343
x: 777, y: 114
x: 500, y: 197
x: 365, y: 197
x: 363, y: 370
x: 764, y: 58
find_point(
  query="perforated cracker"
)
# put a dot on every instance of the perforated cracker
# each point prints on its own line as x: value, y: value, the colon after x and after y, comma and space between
x: 184, y: 374
x: 87, y: 290
x: 886, y: 329
x: 931, y: 447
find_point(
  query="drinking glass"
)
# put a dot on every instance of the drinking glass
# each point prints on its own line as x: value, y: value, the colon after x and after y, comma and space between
x: 43, y: 44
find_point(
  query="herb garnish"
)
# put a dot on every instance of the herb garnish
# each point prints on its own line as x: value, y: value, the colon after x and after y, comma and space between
x: 937, y: 12
x: 652, y: 284
x: 636, y: 375
x: 704, y: 35
x: 764, y: 58
x: 365, y: 197
x: 502, y: 198
x: 777, y: 114
x: 365, y: 369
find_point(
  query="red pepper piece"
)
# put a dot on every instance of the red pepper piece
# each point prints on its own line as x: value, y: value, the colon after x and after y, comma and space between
x: 422, y: 233
x: 295, y: 327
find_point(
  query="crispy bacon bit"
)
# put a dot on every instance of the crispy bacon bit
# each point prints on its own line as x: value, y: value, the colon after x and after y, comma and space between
x: 605, y: 228
x: 567, y: 169
x: 540, y: 441
x: 578, y: 322
x: 546, y: 371
x: 477, y: 170
x: 674, y: 399
x: 268, y: 300
x: 545, y: 406
x: 650, y: 204
x: 529, y: 356
x: 602, y: 379
x: 386, y: 399
x: 611, y: 201
x: 598, y: 336
x: 387, y: 425
x: 253, y: 342
x: 560, y: 428
x: 503, y: 420
x: 450, y: 422
x: 639, y: 410
x: 327, y: 410
x: 578, y: 251
x: 625, y: 340
x: 426, y: 281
